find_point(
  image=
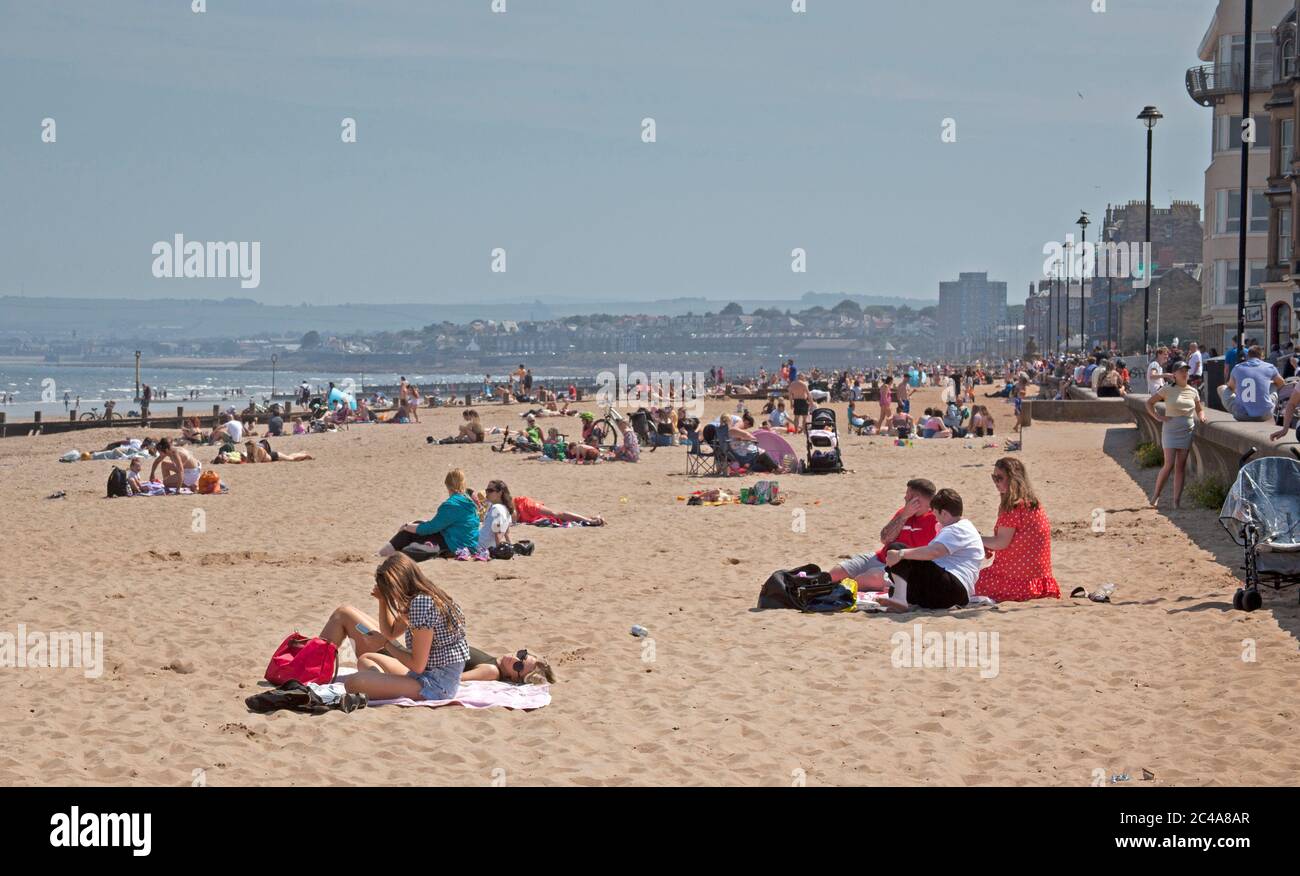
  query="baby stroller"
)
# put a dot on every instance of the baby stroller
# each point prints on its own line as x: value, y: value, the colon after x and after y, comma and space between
x: 1262, y: 514
x: 823, y: 443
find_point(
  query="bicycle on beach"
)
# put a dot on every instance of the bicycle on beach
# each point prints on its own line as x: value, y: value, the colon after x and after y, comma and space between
x: 109, y: 415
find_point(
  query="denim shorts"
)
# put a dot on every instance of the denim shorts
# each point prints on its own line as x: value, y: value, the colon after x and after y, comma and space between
x: 440, y: 683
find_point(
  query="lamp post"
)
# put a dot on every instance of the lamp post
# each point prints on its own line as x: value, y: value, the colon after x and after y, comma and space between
x: 275, y: 357
x: 1242, y: 267
x: 1065, y: 280
x: 1083, y: 222
x: 137, y: 375
x: 1110, y: 287
x: 1149, y: 117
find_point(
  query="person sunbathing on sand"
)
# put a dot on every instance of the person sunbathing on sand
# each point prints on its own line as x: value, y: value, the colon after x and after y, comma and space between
x: 520, y: 667
x: 429, y: 662
x: 531, y: 511
x: 179, y: 467
x: 262, y: 452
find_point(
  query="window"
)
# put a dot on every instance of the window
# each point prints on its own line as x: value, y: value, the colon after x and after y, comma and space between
x: 1288, y: 55
x: 1227, y: 133
x: 1225, y: 281
x: 1227, y: 212
x: 1232, y: 49
x: 1286, y: 146
x: 1284, y: 237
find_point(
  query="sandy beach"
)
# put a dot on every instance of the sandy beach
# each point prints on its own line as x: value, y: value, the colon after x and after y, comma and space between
x: 722, y: 695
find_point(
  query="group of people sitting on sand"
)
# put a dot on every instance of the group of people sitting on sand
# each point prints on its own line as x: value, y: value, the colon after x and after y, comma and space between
x: 416, y: 645
x: 951, y: 421
x: 472, y: 525
x: 933, y: 557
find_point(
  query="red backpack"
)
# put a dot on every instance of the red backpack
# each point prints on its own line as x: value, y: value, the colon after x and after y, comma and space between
x: 303, y: 659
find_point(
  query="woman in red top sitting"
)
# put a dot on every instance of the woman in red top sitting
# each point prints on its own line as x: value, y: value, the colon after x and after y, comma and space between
x: 1022, y: 541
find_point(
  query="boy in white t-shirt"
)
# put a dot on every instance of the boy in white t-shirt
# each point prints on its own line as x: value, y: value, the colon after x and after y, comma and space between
x: 942, y: 574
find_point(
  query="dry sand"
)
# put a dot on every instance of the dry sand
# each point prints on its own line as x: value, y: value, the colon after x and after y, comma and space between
x: 1155, y: 680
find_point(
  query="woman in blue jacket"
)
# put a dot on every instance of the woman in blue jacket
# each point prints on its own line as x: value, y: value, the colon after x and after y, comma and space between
x: 453, y: 527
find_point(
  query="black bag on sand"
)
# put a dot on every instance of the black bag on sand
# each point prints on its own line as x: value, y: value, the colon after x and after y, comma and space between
x: 788, y: 589
x: 117, y: 483
x: 298, y: 697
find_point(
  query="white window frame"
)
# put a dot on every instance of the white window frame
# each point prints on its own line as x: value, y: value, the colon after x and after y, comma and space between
x: 1227, y: 200
x: 1225, y: 285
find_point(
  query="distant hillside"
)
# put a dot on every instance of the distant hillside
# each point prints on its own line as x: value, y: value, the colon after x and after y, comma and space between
x: 174, y: 318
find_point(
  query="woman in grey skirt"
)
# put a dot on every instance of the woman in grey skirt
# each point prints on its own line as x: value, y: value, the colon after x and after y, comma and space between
x: 1182, y: 408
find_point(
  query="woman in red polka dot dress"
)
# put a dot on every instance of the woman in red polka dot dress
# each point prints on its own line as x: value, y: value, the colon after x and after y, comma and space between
x: 1022, y: 541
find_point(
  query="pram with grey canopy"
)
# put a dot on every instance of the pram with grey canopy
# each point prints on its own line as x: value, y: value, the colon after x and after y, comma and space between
x: 1262, y: 514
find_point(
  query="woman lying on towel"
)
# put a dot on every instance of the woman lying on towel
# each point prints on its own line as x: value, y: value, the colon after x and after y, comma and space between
x: 530, y: 511
x: 262, y: 452
x: 453, y: 527
x: 433, y: 654
x: 520, y: 667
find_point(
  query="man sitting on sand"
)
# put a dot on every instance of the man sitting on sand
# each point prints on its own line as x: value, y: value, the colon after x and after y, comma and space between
x: 179, y: 467
x: 231, y: 431
x: 913, y: 525
x: 943, y: 573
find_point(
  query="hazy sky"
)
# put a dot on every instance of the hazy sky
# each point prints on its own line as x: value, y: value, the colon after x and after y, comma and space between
x: 523, y: 131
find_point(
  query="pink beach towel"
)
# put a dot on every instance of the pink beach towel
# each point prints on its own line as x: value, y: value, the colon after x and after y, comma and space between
x: 485, y: 695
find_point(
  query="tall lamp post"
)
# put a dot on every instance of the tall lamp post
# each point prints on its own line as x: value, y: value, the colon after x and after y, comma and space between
x: 1065, y: 280
x: 275, y: 357
x: 1149, y: 117
x: 1243, y: 269
x: 1083, y: 222
x: 1110, y: 288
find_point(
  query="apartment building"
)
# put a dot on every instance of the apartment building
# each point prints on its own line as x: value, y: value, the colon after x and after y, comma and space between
x: 1217, y: 84
x: 1282, y: 283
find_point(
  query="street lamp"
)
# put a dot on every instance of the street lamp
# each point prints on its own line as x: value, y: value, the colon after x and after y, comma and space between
x: 1083, y: 222
x: 1110, y: 286
x: 275, y: 357
x: 1065, y: 280
x: 1149, y: 117
x: 1242, y: 267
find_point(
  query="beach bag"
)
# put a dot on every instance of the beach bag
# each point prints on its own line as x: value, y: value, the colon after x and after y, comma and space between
x: 209, y: 482
x: 303, y: 659
x: 117, y: 483
x: 796, y: 588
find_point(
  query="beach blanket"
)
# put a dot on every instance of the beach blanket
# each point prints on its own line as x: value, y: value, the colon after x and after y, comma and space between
x: 480, y: 695
x: 116, y: 453
x: 156, y: 488
x: 867, y: 601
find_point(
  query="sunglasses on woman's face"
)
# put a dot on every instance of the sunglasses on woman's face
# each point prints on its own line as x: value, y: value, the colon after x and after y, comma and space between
x: 520, y: 656
x: 998, y: 477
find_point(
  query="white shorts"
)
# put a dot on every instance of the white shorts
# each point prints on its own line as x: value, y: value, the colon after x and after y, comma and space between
x: 190, y: 476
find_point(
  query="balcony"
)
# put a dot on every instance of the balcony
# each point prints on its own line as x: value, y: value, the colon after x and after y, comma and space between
x: 1211, y: 83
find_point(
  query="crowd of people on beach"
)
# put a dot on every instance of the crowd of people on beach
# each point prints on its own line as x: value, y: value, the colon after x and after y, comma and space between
x: 929, y: 556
